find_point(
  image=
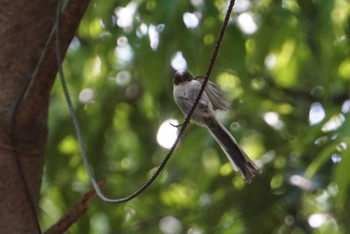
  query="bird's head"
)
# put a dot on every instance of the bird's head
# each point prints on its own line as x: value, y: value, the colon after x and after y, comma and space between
x: 182, y: 76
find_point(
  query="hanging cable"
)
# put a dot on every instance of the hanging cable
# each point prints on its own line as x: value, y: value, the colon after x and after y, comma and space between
x: 78, y: 130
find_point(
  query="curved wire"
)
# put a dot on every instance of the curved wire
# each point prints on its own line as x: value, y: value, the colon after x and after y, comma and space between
x: 76, y: 123
x: 18, y: 163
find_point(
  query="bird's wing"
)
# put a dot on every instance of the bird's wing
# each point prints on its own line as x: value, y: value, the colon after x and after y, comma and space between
x: 216, y: 95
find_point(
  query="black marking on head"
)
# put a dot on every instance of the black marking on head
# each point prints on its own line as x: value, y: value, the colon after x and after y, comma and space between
x: 182, y: 76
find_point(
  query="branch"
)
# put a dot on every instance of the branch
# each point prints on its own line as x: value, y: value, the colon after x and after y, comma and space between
x: 74, y: 213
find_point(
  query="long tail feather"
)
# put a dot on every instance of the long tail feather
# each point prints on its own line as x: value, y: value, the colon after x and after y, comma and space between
x: 233, y: 151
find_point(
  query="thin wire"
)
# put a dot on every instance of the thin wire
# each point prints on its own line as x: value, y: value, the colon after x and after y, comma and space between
x: 76, y: 123
x: 17, y: 160
x: 18, y: 163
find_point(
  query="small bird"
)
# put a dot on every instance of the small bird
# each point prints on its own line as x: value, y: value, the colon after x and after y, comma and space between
x: 185, y: 91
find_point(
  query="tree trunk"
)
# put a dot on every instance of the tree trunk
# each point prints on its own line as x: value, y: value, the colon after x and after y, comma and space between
x: 27, y: 72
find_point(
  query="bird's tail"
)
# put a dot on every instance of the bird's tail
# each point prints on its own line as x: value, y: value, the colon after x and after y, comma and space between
x: 233, y: 151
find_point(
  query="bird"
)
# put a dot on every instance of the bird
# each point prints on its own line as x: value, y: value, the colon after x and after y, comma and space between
x: 185, y: 91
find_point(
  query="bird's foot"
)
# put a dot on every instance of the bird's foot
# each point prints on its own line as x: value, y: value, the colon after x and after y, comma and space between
x: 177, y: 125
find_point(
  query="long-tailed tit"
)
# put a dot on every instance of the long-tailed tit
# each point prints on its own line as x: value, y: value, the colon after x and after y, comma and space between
x: 186, y: 89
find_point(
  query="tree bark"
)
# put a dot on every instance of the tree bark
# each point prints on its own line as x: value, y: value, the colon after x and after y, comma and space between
x: 27, y: 72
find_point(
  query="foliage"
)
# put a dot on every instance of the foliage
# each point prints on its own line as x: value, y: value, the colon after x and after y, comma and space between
x: 284, y: 64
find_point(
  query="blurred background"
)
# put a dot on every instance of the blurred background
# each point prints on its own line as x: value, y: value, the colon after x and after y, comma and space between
x: 285, y: 66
